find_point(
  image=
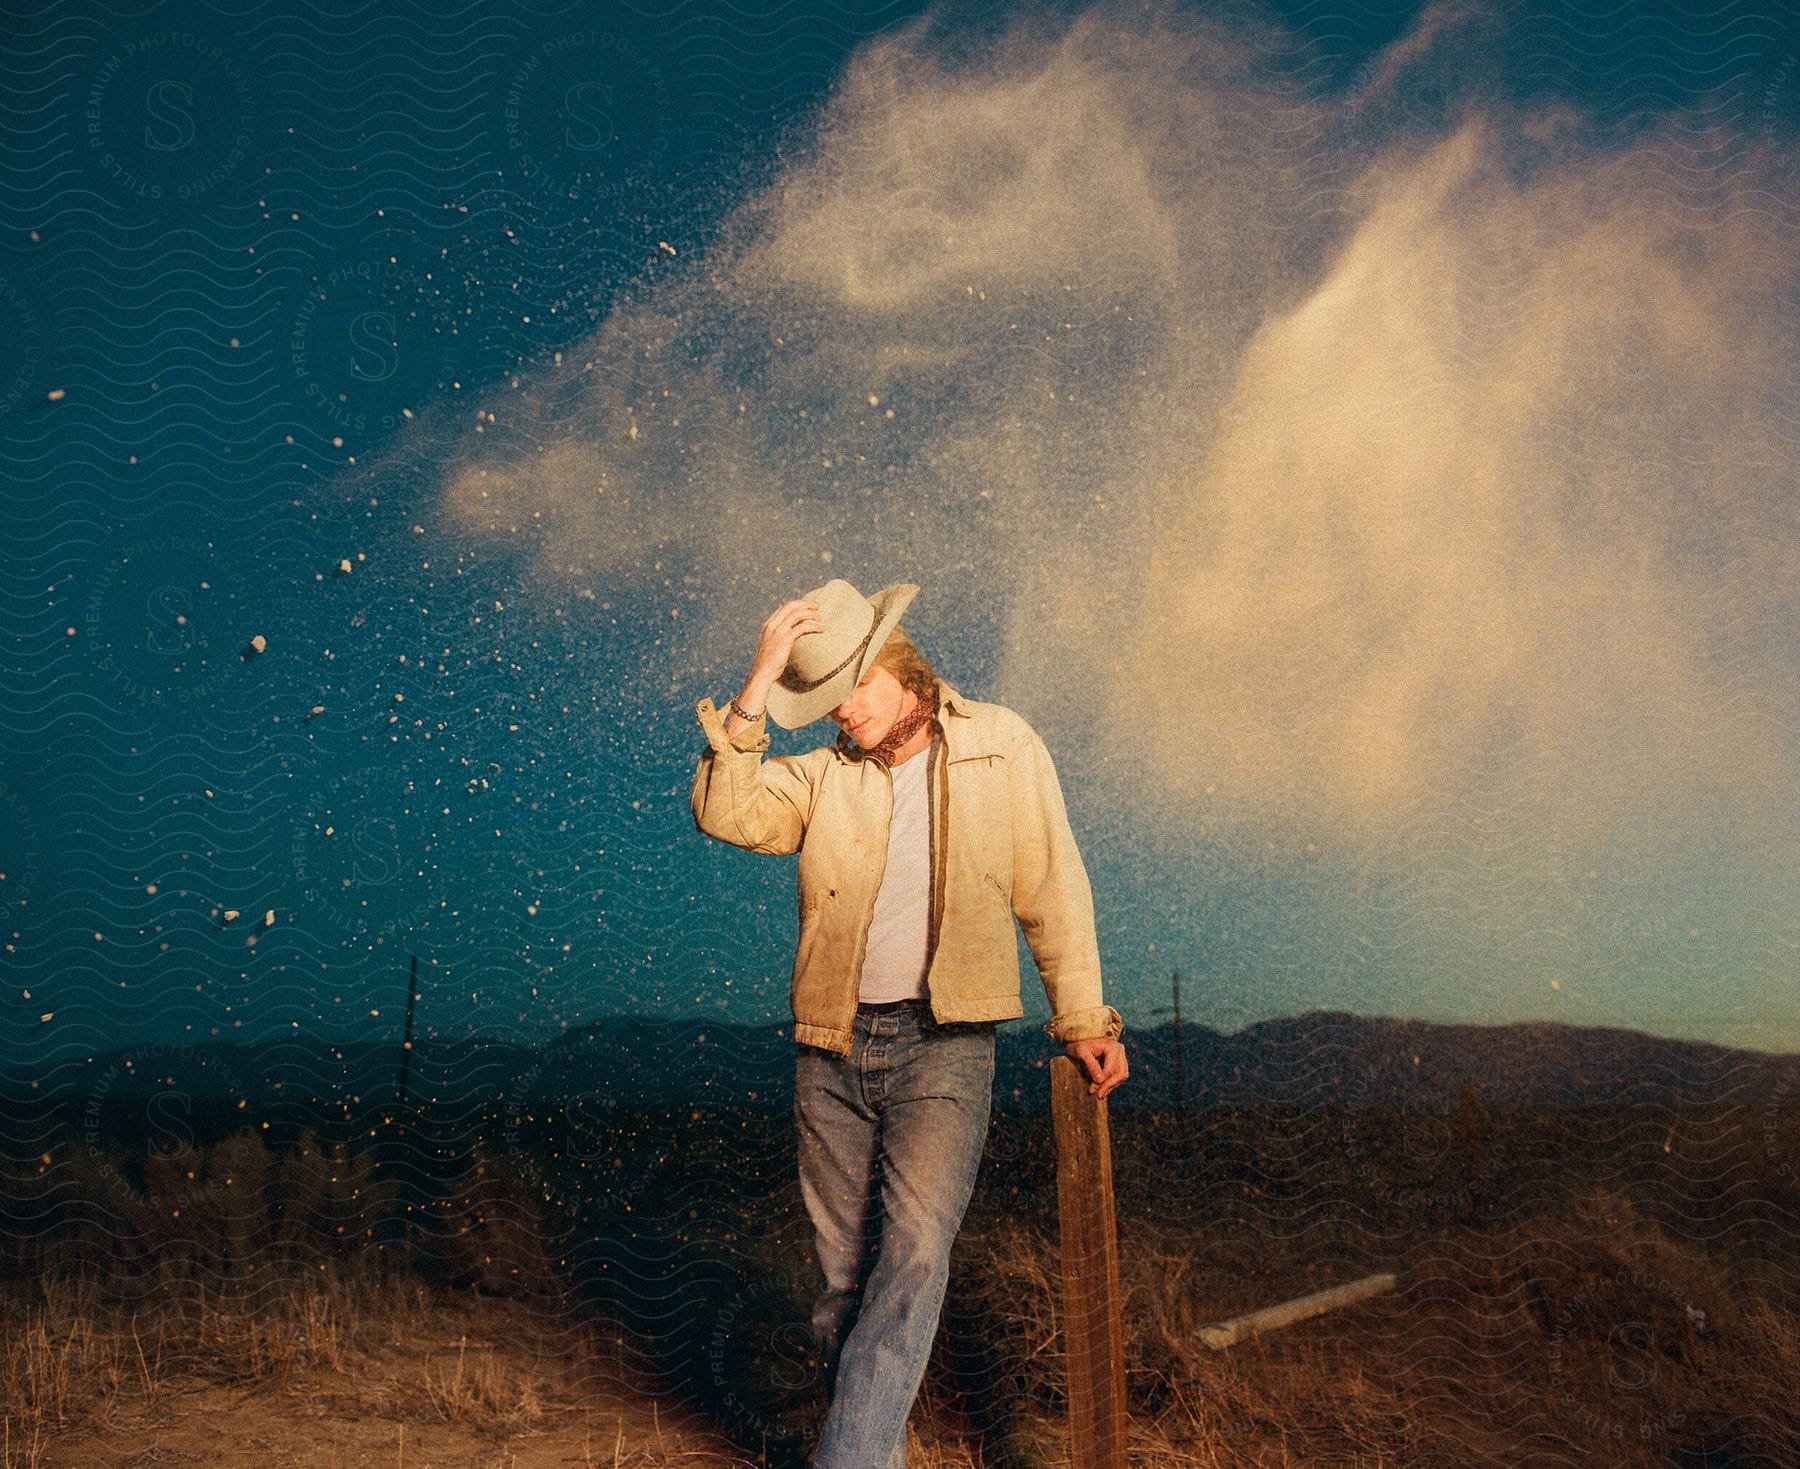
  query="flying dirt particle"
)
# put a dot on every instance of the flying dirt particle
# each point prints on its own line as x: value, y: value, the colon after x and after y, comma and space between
x: 257, y: 645
x: 230, y: 915
x: 269, y: 919
x: 56, y: 395
x: 344, y: 566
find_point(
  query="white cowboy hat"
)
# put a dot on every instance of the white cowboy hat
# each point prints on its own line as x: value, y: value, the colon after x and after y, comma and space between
x: 825, y: 666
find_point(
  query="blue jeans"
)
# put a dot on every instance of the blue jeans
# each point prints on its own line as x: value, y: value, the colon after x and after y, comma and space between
x: 890, y: 1141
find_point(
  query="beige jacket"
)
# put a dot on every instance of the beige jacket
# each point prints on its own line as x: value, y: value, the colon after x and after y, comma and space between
x: 1000, y: 846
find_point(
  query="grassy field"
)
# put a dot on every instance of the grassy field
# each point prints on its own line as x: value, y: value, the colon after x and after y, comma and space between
x: 1616, y: 1287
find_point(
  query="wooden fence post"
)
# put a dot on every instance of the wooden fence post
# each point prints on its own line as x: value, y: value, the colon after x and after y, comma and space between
x: 1093, y: 1329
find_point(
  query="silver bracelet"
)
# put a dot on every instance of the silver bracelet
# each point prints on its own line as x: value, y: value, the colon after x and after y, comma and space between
x: 741, y: 712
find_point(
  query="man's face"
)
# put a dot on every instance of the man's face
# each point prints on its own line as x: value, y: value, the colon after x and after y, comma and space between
x: 873, y: 706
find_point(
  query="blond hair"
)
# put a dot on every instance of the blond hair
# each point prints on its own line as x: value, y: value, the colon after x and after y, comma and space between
x: 901, y: 658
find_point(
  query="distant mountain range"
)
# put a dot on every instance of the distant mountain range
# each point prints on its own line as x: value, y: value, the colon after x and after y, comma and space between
x: 1317, y: 1059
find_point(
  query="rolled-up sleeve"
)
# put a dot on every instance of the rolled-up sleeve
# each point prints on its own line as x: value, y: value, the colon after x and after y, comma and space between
x: 1053, y: 899
x: 742, y: 798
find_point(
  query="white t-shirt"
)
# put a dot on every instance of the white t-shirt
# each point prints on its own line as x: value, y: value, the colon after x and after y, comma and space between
x: 894, y: 961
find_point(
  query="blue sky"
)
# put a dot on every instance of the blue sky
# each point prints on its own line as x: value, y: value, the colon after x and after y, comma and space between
x: 1359, y: 442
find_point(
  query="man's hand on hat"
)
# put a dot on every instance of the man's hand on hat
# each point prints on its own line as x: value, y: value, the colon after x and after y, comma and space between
x: 1103, y: 1058
x: 789, y: 621
x: 774, y: 645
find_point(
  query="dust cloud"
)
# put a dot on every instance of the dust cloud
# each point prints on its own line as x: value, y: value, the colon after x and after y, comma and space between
x: 1511, y: 474
x: 1317, y: 466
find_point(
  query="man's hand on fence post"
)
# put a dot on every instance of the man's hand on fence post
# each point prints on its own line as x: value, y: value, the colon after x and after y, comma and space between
x: 1103, y: 1058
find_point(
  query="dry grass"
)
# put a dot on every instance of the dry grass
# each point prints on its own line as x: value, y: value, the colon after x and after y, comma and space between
x: 1632, y: 1306
x: 1585, y: 1335
x: 287, y: 1292
x: 434, y: 1377
x: 69, y: 1352
x: 490, y: 1393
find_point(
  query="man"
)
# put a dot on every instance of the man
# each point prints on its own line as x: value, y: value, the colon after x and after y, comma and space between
x: 923, y: 831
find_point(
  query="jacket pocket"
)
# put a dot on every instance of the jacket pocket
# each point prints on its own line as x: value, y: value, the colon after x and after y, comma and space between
x: 816, y: 910
x: 812, y: 919
x: 981, y: 818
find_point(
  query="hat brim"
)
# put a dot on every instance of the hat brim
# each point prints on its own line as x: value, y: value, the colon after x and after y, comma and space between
x: 792, y: 710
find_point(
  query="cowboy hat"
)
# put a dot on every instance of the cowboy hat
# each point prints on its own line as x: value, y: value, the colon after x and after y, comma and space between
x: 825, y: 666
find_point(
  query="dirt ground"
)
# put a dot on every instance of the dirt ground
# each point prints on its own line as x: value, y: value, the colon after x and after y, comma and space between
x: 317, y: 1426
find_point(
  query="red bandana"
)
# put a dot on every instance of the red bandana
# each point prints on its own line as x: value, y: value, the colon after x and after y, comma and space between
x: 905, y: 727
